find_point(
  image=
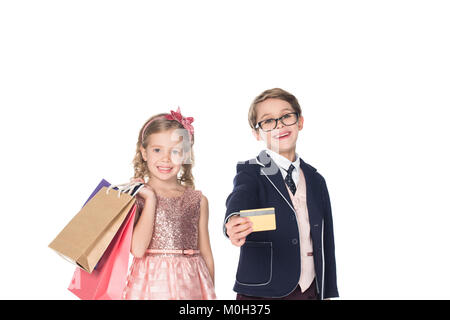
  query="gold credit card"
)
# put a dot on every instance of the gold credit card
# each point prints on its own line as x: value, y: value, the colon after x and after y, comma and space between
x: 263, y: 219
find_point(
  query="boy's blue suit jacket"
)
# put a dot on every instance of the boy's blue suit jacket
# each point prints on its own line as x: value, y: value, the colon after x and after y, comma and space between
x: 269, y: 262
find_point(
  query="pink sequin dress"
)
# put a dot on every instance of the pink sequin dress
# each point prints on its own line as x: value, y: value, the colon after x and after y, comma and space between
x: 165, y: 276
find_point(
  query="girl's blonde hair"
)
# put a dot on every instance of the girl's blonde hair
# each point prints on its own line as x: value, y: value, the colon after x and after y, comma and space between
x: 159, y: 123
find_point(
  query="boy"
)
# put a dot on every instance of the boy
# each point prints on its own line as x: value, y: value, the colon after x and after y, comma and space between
x: 296, y: 261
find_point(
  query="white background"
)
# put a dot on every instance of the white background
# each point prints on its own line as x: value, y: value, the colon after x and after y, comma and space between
x: 79, y: 78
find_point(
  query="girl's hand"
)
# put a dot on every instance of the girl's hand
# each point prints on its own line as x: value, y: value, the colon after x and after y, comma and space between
x: 146, y: 192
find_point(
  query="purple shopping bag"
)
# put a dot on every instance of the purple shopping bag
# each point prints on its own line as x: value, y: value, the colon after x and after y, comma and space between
x: 102, y: 184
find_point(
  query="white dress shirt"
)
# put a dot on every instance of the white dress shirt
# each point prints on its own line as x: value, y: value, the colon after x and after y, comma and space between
x: 285, y: 163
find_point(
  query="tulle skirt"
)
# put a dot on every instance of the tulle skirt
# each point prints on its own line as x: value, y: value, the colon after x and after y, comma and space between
x: 169, y: 277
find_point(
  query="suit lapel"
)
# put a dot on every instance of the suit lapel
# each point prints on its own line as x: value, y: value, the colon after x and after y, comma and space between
x: 312, y: 209
x: 273, y: 173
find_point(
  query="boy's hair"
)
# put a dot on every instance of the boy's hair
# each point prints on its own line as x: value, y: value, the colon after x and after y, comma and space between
x: 275, y: 93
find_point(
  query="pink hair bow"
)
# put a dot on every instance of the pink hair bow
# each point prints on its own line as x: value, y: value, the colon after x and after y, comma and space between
x: 185, y: 121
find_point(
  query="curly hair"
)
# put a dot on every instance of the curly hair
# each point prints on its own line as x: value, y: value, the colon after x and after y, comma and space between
x: 159, y: 124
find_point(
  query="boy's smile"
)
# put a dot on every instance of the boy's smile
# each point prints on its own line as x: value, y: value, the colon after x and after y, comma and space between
x: 283, y: 138
x: 283, y: 135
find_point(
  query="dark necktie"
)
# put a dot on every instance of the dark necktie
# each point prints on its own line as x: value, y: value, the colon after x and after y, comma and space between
x: 290, y: 183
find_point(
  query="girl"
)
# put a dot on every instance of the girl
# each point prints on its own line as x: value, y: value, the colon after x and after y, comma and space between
x: 170, y: 243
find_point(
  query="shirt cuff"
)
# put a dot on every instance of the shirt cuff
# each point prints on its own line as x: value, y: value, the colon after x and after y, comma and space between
x: 225, y: 222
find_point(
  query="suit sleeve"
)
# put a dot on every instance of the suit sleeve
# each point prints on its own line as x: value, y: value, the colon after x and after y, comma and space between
x: 244, y: 194
x: 330, y: 284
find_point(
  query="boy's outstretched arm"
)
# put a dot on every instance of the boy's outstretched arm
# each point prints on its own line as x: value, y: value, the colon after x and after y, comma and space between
x: 242, y: 197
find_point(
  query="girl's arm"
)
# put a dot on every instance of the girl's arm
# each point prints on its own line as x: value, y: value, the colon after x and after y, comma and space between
x: 203, y: 237
x: 143, y: 230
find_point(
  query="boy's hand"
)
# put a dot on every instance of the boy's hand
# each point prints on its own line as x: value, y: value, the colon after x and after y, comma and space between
x: 146, y: 192
x: 238, y: 228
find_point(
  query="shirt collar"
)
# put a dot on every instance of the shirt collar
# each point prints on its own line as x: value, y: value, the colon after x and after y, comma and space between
x: 283, y: 162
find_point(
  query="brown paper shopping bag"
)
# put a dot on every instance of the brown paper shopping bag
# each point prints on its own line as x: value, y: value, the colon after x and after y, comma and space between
x: 86, y: 237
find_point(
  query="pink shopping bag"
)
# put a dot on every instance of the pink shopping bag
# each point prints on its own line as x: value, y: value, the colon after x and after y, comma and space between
x: 108, y: 279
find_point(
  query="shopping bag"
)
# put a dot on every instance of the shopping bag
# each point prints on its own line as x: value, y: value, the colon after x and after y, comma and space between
x: 108, y: 279
x: 102, y: 184
x: 86, y: 237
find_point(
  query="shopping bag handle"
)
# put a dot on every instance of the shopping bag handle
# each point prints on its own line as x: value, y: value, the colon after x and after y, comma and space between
x: 126, y: 188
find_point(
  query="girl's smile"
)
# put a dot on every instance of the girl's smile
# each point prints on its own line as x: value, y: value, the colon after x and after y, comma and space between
x: 164, y: 169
